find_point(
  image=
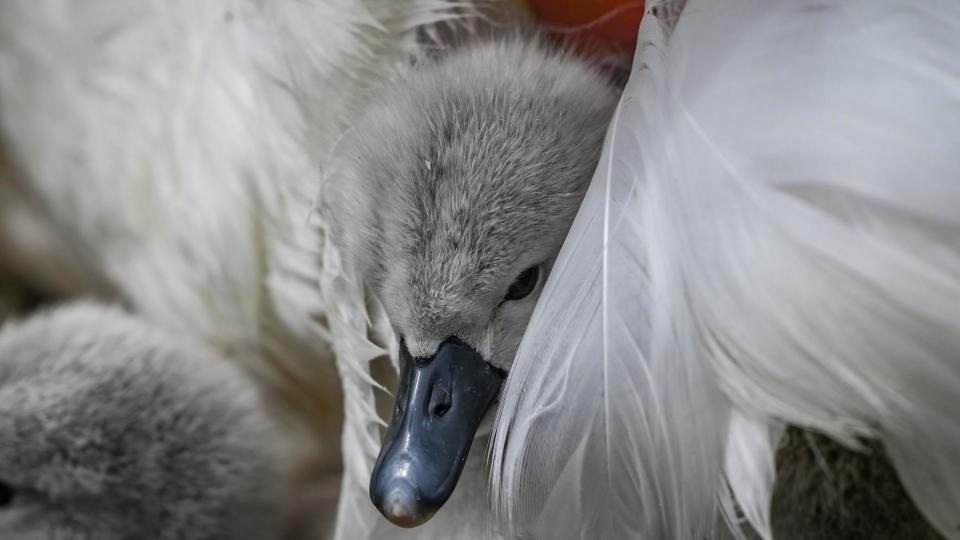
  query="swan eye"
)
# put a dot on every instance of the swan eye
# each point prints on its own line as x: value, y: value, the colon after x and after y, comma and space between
x: 525, y: 283
x: 7, y: 495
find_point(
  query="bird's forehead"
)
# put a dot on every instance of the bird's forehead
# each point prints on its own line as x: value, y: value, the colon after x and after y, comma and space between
x: 470, y: 218
x: 454, y: 261
x: 464, y: 238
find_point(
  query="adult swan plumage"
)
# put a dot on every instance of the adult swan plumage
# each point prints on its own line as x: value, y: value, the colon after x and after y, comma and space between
x: 771, y: 237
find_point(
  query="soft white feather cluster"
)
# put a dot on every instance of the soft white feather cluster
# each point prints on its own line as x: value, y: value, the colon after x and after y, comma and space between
x: 771, y: 236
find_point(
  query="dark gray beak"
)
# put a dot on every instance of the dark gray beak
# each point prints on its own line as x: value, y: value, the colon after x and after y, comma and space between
x: 440, y: 403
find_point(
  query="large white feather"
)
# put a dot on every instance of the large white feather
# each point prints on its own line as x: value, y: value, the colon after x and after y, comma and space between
x: 610, y: 423
x: 814, y: 200
x: 775, y: 215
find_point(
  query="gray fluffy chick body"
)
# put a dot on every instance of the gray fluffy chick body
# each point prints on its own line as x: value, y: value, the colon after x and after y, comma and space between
x: 110, y: 429
x: 463, y: 172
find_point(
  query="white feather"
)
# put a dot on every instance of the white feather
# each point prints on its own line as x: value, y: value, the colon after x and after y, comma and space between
x: 775, y: 216
x: 819, y: 220
x: 597, y: 436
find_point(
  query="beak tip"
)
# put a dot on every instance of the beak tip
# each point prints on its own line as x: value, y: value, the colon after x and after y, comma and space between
x: 402, y: 507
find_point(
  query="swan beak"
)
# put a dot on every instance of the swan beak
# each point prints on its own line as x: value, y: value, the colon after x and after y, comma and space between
x: 440, y: 403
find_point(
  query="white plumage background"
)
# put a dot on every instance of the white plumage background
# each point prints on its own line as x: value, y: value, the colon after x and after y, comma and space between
x: 767, y: 239
x: 770, y: 239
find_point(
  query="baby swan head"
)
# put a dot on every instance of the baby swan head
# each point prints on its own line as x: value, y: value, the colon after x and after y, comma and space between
x: 461, y: 184
x: 110, y: 429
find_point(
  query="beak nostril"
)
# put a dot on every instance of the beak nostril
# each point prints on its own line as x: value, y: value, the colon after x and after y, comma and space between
x: 7, y: 495
x: 440, y: 401
x: 440, y: 409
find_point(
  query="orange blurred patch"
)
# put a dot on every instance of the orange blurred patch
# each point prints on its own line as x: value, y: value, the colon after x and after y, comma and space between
x: 610, y: 25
